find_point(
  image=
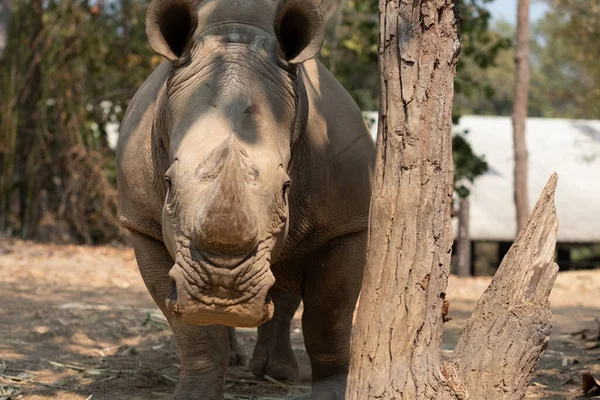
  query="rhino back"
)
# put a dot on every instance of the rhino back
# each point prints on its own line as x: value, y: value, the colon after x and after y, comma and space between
x: 333, y: 171
x: 140, y: 200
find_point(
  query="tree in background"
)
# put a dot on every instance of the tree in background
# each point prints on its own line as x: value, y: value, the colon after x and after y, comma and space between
x: 521, y: 91
x: 351, y: 51
x: 481, y: 47
x: 467, y: 167
x: 83, y: 63
x: 565, y: 67
x: 351, y: 54
x: 566, y: 52
x: 5, y: 15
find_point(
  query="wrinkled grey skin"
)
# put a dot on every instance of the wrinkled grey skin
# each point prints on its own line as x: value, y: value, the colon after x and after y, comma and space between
x: 244, y: 176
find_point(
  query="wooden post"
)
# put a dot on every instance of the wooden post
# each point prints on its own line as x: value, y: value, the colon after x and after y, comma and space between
x: 519, y: 115
x: 463, y: 245
x: 395, y: 351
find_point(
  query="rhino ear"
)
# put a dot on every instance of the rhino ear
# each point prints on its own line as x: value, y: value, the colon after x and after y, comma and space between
x: 300, y: 29
x: 170, y: 25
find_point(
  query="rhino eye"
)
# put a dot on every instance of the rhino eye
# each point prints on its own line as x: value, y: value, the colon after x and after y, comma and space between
x: 169, y: 186
x: 286, y: 189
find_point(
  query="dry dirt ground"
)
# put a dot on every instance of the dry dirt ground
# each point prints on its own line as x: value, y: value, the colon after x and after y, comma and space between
x: 76, y: 323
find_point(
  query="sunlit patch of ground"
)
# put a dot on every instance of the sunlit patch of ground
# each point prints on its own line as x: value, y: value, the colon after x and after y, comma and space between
x: 77, y: 321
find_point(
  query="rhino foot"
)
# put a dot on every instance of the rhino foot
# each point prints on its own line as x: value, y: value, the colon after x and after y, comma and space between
x: 281, y: 368
x: 237, y: 358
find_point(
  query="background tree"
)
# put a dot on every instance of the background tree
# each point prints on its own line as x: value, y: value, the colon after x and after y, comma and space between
x: 519, y: 116
x: 481, y: 47
x: 467, y: 167
x: 351, y: 53
x: 55, y: 100
x: 565, y: 72
x: 5, y: 15
x: 566, y: 52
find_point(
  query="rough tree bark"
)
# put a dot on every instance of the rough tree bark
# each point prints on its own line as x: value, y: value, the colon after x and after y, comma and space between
x: 396, y: 340
x: 463, y: 244
x: 519, y: 115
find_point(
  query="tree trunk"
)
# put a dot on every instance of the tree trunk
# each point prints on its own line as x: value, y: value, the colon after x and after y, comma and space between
x: 329, y: 8
x: 520, y: 113
x: 126, y: 13
x: 463, y: 246
x: 396, y: 341
x: 31, y: 176
x: 5, y: 14
x: 398, y: 332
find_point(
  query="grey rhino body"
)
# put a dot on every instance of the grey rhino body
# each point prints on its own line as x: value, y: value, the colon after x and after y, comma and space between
x: 244, y: 174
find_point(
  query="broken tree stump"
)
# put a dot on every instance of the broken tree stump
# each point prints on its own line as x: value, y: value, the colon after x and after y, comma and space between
x: 511, y: 324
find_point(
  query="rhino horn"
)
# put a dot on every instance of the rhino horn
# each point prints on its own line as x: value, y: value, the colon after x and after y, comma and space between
x: 226, y: 224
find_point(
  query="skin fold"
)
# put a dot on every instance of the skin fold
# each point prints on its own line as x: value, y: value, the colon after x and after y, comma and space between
x: 244, y: 173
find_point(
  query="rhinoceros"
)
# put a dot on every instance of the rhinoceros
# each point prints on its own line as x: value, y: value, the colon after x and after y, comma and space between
x: 244, y: 174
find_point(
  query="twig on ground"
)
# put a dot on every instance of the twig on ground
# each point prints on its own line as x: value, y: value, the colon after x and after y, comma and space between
x: 267, y: 382
x: 275, y: 381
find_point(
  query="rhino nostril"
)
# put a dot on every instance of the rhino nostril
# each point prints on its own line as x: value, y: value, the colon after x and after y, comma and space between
x: 225, y: 240
x: 225, y: 261
x: 286, y: 190
x: 173, y: 294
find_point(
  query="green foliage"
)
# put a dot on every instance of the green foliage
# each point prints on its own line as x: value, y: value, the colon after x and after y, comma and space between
x: 467, y: 165
x: 566, y: 61
x: 350, y: 52
x: 493, y: 91
x: 64, y: 58
x: 565, y: 67
x: 481, y: 47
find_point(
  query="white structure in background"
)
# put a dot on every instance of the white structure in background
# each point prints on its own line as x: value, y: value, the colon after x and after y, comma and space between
x: 112, y: 134
x: 111, y: 127
x: 372, y: 117
x: 569, y: 147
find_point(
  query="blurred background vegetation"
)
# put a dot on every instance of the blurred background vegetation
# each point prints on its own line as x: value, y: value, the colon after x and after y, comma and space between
x: 70, y: 67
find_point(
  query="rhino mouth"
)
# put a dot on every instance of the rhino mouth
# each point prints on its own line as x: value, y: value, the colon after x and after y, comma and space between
x: 213, y: 290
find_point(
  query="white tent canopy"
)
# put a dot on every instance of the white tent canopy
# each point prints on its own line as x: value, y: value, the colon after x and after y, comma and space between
x: 569, y: 147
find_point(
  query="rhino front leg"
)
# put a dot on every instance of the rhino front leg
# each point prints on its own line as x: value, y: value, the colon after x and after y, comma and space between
x: 203, y: 350
x: 273, y: 354
x: 333, y: 280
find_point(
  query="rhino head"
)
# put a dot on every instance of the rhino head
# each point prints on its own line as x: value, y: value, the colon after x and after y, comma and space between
x: 227, y: 120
